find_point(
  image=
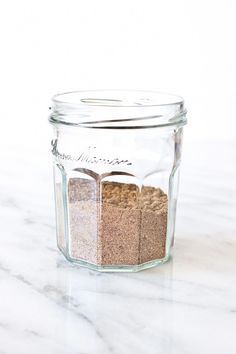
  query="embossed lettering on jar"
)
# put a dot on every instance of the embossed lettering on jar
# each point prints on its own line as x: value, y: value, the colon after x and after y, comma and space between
x: 116, y: 157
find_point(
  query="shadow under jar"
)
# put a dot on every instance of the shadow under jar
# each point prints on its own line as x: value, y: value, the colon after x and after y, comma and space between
x: 116, y: 169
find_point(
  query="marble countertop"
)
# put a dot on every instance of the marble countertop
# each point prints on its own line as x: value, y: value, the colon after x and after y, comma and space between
x: 187, y: 306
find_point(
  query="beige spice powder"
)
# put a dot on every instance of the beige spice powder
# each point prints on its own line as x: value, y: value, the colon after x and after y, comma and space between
x: 116, y: 223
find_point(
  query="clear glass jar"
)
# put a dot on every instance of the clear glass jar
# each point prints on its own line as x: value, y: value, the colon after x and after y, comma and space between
x: 116, y: 169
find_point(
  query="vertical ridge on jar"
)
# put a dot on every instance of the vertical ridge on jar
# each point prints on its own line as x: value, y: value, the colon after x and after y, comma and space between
x: 120, y: 224
x: 83, y: 218
x: 154, y: 205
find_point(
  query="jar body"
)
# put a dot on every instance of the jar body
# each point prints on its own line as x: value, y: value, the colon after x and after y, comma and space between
x: 116, y: 194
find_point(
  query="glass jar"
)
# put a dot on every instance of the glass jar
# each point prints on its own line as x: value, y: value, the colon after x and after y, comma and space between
x: 116, y: 169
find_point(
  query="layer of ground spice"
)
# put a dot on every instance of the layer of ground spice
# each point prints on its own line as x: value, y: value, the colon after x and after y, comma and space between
x: 116, y: 223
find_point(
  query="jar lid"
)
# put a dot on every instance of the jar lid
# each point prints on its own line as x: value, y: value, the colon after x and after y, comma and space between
x: 118, y: 109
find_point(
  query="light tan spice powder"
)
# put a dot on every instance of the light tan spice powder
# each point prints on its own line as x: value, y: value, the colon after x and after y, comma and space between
x: 115, y: 223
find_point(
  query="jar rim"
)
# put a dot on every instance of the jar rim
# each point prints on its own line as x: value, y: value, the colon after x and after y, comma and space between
x: 117, y: 109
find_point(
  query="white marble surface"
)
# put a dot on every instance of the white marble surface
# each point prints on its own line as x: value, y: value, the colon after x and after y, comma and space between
x: 187, y: 306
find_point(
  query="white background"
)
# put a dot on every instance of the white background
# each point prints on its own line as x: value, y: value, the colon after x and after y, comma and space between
x: 185, y: 47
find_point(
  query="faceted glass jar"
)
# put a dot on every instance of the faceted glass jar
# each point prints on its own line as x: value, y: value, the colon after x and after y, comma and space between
x: 116, y: 157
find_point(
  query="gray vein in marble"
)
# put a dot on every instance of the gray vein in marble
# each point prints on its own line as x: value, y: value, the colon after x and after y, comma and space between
x: 4, y: 325
x: 31, y: 332
x: 48, y: 289
x: 62, y: 301
x: 10, y: 203
x: 30, y: 221
x: 65, y: 300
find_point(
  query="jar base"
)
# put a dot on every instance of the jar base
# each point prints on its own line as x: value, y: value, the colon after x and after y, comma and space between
x: 117, y: 268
